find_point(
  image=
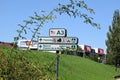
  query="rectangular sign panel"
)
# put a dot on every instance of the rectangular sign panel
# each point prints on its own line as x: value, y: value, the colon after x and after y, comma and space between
x: 58, y: 40
x: 55, y: 47
x: 58, y: 32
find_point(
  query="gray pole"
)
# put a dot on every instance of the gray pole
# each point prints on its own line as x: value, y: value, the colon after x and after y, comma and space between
x: 57, y: 64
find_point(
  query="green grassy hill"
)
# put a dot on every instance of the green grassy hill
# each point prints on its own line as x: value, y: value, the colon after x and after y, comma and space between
x: 72, y: 67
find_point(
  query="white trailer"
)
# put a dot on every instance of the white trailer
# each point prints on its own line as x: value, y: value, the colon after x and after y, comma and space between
x: 27, y: 44
x: 85, y: 48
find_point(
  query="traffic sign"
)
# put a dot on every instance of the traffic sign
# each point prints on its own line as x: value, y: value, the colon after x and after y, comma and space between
x: 55, y: 47
x: 57, y: 32
x: 58, y: 40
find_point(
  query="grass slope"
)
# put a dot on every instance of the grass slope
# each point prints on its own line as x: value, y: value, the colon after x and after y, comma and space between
x: 77, y: 68
x: 73, y: 67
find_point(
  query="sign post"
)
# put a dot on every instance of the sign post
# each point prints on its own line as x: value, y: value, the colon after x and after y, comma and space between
x: 56, y: 42
x: 57, y: 64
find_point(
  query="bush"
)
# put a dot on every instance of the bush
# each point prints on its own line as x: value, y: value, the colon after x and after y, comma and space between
x: 94, y: 57
x: 15, y: 65
x: 109, y: 59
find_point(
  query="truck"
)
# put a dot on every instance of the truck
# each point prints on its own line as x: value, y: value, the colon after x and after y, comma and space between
x: 99, y: 50
x: 85, y: 48
x: 27, y: 44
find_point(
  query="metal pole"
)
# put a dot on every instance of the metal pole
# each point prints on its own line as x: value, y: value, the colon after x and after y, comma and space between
x: 57, y: 64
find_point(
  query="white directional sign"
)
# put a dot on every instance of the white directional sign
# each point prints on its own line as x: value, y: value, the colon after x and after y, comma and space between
x: 58, y: 32
x: 58, y: 40
x: 54, y: 47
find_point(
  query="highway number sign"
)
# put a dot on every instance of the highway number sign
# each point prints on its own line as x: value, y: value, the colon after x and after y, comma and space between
x: 56, y: 32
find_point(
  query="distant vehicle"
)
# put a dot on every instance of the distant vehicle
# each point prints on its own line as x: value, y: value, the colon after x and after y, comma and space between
x: 92, y: 51
x: 86, y: 49
x: 27, y: 44
x: 99, y: 51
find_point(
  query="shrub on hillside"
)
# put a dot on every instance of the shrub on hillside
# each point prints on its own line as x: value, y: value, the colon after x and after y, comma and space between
x: 15, y: 65
x: 94, y: 57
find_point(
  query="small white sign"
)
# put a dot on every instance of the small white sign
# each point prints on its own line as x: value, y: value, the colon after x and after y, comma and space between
x: 54, y: 47
x: 57, y: 32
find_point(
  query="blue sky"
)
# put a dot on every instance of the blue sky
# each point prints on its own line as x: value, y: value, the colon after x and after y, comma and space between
x: 13, y: 12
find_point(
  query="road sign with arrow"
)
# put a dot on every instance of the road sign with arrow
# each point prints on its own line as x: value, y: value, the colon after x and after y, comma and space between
x: 58, y: 40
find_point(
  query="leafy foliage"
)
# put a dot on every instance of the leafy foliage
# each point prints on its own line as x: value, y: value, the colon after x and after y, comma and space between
x: 36, y: 20
x: 18, y: 66
x: 94, y: 56
x: 72, y: 9
x: 113, y: 39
